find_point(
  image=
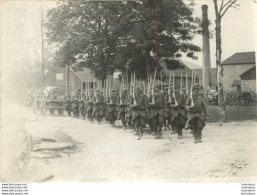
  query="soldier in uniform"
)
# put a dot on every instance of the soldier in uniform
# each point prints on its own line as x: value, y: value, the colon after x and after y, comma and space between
x: 75, y: 106
x: 197, y: 114
x: 123, y: 107
x: 99, y: 107
x: 89, y: 106
x: 82, y: 105
x: 166, y: 114
x: 68, y: 103
x: 128, y: 111
x: 179, y: 115
x: 113, y: 107
x: 140, y: 112
x: 156, y: 113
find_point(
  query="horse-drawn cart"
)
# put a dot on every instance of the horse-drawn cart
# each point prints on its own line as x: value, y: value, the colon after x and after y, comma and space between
x: 55, y: 101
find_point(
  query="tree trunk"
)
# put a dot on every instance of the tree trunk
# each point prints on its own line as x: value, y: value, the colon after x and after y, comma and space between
x: 220, y: 70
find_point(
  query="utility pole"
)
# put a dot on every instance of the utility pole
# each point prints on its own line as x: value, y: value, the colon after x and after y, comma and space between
x: 42, y: 34
x: 206, y: 49
x: 68, y: 79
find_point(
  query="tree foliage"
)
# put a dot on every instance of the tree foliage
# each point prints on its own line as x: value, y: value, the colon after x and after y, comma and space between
x: 103, y: 36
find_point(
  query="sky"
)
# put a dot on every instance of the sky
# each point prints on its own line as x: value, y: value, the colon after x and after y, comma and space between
x: 21, y: 36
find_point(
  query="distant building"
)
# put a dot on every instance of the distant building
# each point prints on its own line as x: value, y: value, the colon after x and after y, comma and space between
x: 239, y: 71
x: 185, y: 69
x: 58, y: 76
x: 248, y: 80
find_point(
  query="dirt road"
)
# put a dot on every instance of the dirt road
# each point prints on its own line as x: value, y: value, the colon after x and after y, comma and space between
x: 105, y: 154
x: 228, y: 153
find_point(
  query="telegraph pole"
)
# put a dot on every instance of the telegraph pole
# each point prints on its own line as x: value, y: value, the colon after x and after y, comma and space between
x: 206, y: 49
x: 42, y: 34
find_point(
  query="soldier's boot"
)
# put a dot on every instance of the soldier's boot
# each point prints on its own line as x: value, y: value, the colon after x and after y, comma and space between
x: 157, y: 135
x: 139, y: 133
x: 174, y: 131
x: 194, y: 134
x: 180, y: 133
x: 160, y: 131
x: 123, y: 124
x: 200, y: 136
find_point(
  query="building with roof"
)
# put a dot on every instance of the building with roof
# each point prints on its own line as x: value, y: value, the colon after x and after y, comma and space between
x: 186, y: 69
x: 58, y: 76
x: 248, y: 80
x: 238, y: 66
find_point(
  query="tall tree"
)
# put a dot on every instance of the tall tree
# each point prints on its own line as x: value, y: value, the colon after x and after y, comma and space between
x: 107, y: 35
x: 220, y: 11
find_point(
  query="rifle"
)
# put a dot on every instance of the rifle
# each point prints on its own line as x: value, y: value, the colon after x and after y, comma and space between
x: 161, y: 82
x: 186, y: 84
x: 89, y: 95
x: 174, y: 96
x: 181, y: 81
x: 110, y: 93
x: 153, y: 99
x: 134, y: 86
x: 81, y: 90
x: 191, y: 92
x: 121, y: 90
x: 169, y: 87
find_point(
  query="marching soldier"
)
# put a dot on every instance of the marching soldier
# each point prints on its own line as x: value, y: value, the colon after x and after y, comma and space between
x: 89, y: 106
x: 166, y: 114
x: 157, y: 111
x: 113, y: 107
x: 179, y: 116
x: 197, y: 114
x: 123, y: 107
x: 128, y: 111
x: 140, y: 112
x: 75, y: 105
x: 68, y: 103
x: 99, y: 107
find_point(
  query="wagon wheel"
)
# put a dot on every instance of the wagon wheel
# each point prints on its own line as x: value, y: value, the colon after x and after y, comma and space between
x: 22, y: 161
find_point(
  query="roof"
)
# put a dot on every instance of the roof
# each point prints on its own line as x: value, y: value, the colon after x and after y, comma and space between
x: 240, y: 58
x: 83, y: 75
x: 236, y: 83
x: 192, y: 65
x: 177, y: 72
x: 254, y: 67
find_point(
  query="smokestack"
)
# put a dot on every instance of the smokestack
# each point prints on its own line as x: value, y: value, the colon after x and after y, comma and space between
x: 206, y: 49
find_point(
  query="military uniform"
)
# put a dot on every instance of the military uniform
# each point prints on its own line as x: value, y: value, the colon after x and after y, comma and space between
x: 113, y: 107
x: 123, y: 107
x: 196, y: 115
x: 179, y: 114
x: 99, y: 106
x: 128, y: 111
x: 89, y: 106
x: 139, y: 112
x: 68, y: 103
x: 157, y: 112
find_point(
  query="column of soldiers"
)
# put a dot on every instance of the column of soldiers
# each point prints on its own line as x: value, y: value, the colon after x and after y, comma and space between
x: 137, y: 105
